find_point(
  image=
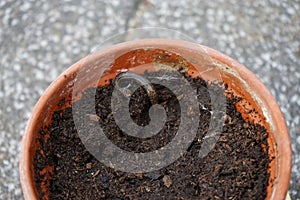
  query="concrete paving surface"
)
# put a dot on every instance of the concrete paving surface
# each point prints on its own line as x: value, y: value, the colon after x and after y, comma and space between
x: 40, y: 39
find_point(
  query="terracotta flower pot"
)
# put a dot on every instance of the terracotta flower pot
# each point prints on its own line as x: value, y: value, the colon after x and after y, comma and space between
x: 240, y: 81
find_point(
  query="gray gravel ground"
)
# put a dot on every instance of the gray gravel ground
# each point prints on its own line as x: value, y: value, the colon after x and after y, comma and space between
x: 39, y: 40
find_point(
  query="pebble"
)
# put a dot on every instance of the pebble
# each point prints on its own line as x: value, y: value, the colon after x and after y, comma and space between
x: 89, y: 165
x: 167, y: 181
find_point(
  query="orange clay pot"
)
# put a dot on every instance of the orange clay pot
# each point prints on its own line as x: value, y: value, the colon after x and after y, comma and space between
x: 240, y: 81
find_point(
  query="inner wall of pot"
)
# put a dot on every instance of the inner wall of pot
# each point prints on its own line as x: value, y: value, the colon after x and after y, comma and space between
x: 51, y: 99
x: 66, y: 91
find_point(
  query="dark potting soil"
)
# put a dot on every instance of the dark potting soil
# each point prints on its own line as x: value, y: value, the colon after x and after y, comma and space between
x: 236, y: 168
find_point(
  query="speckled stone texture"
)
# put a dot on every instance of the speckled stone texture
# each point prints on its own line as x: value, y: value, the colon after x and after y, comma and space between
x: 39, y: 40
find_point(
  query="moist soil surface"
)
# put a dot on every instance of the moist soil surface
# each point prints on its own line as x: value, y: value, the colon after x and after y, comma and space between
x: 236, y: 168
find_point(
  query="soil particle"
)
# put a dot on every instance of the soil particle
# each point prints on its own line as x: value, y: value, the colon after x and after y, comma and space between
x: 236, y: 168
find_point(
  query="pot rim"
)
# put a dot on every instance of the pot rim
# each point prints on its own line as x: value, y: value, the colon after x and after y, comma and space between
x: 283, y: 140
